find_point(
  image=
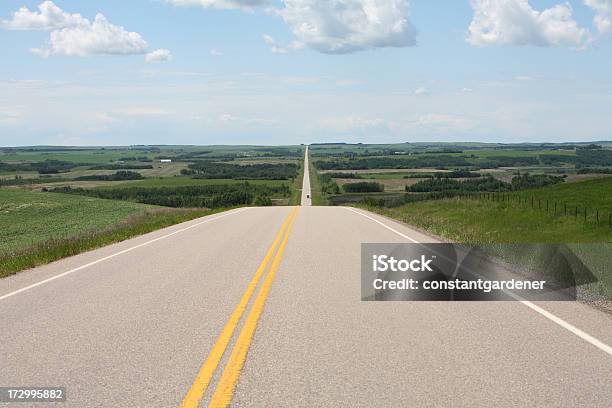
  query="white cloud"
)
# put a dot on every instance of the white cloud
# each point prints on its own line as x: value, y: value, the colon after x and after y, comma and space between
x: 75, y: 35
x: 216, y: 53
x: 160, y: 55
x: 344, y: 26
x: 420, y: 91
x: 97, y: 38
x: 443, y: 123
x: 603, y: 14
x: 10, y: 116
x: 356, y: 122
x: 515, y: 22
x: 524, y: 78
x: 220, y: 4
x: 142, y: 111
x: 48, y: 18
x: 279, y: 49
x: 228, y: 118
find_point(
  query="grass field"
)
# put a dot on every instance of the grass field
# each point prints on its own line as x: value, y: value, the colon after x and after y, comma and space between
x: 316, y: 196
x: 484, y: 222
x: 296, y: 190
x: 28, y: 218
x: 38, y: 228
x: 594, y: 194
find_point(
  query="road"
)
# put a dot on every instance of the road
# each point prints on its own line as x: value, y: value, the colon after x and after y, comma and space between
x: 306, y: 195
x: 153, y: 322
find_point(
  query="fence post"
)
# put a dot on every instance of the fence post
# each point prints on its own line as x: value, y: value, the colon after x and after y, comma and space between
x: 576, y: 214
x: 565, y: 209
x: 598, y: 216
x: 546, y: 205
x: 585, y: 214
x: 555, y: 208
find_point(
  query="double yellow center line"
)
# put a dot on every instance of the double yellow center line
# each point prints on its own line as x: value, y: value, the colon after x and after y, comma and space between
x: 224, y: 391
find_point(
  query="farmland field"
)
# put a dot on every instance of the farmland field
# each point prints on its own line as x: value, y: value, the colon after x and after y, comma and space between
x: 28, y: 218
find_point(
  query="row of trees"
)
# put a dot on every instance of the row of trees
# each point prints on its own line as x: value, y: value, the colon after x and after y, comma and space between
x: 118, y: 176
x: 212, y: 196
x: 263, y: 171
x: 519, y: 182
x: 44, y: 167
x: 364, y: 187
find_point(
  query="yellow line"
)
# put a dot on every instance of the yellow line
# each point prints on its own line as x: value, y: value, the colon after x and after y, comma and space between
x: 200, y: 384
x: 224, y: 393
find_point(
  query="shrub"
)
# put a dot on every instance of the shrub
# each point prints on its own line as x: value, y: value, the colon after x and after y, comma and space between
x: 364, y: 187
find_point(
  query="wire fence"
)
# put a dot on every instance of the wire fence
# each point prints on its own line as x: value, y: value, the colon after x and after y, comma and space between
x: 551, y: 207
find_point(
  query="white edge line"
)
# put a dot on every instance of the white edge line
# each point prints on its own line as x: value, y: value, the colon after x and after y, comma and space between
x: 384, y: 225
x: 567, y: 326
x: 106, y: 258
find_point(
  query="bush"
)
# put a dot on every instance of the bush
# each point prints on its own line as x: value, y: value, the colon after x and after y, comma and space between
x: 262, y: 201
x: 524, y: 181
x: 372, y: 202
x: 364, y: 187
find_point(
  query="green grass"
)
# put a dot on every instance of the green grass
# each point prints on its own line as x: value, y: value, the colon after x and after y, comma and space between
x: 28, y: 218
x: 93, y: 156
x: 296, y: 188
x: 38, y: 228
x: 485, y: 222
x: 316, y: 196
x: 481, y: 221
x: 594, y: 194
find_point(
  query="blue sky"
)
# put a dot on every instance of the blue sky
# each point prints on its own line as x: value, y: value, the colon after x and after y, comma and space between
x: 301, y: 71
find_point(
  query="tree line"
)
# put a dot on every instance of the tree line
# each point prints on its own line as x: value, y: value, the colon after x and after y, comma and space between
x: 209, y: 196
x: 263, y: 171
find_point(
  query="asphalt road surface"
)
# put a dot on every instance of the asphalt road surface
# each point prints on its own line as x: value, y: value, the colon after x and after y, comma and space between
x: 306, y: 197
x: 157, y: 321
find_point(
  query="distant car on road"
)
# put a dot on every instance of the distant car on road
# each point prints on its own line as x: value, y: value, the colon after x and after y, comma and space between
x: 307, y: 195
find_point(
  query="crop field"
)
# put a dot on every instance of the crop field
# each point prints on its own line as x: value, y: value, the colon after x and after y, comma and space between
x: 28, y: 218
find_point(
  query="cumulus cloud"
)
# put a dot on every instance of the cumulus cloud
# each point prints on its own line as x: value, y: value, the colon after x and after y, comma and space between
x: 75, y: 35
x: 515, y: 22
x: 420, y: 91
x: 48, y: 18
x: 161, y: 55
x: 216, y: 53
x: 220, y: 4
x: 603, y: 14
x: 344, y: 26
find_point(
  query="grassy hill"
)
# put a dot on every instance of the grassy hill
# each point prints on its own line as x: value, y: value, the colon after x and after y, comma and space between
x: 490, y: 222
x: 27, y: 218
x: 37, y: 228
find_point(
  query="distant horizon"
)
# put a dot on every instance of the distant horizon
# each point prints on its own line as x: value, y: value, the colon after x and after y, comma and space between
x: 311, y: 144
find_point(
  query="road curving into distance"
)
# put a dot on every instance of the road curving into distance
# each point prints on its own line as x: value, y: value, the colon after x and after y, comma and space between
x: 261, y: 307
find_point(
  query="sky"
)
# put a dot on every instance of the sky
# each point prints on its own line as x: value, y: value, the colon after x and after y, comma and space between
x: 302, y: 71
